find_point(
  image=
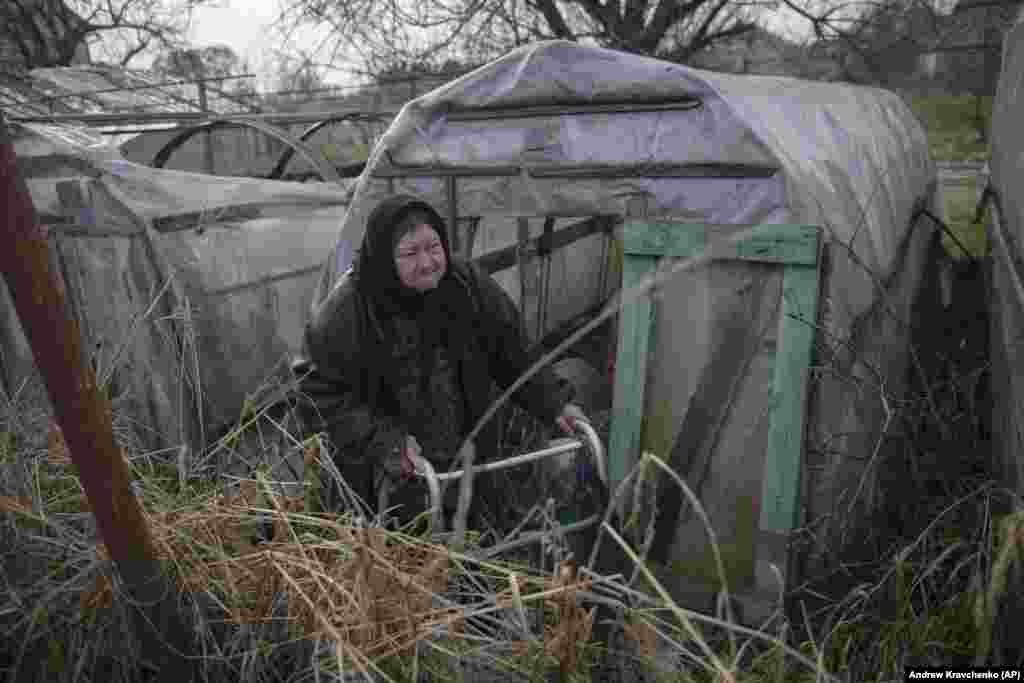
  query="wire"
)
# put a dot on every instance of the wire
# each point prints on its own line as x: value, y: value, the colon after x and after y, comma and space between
x: 375, y: 84
x: 949, y: 232
x: 132, y: 88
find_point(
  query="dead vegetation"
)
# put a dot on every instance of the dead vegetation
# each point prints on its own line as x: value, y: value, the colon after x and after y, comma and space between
x: 280, y: 591
x: 265, y: 559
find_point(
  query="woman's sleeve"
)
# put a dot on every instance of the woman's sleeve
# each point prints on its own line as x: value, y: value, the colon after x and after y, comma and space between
x: 329, y: 376
x: 544, y: 395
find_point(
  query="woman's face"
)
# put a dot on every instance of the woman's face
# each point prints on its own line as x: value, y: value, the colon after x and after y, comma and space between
x: 419, y: 258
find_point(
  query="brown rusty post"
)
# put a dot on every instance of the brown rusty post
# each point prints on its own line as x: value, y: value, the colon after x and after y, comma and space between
x: 84, y: 417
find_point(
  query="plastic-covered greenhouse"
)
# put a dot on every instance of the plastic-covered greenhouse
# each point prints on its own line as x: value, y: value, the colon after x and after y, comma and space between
x: 1006, y: 239
x: 765, y: 371
x: 188, y: 289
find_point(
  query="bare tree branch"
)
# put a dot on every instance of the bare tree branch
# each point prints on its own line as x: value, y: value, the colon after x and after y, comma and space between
x: 383, y: 33
x: 141, y: 45
x: 553, y: 16
x: 50, y: 32
x: 881, y: 40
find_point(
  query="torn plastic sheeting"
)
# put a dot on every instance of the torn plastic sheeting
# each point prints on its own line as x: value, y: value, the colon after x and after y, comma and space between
x: 238, y: 339
x: 154, y: 192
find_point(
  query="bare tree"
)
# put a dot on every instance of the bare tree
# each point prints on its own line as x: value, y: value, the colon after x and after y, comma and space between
x: 880, y: 41
x: 213, y: 61
x: 383, y: 33
x: 297, y: 72
x: 50, y: 32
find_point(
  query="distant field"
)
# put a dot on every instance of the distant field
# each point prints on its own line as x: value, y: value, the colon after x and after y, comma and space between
x: 961, y: 203
x: 949, y: 121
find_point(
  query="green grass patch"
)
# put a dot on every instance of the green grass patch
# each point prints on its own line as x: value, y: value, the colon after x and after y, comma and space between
x: 950, y: 123
x: 960, y: 205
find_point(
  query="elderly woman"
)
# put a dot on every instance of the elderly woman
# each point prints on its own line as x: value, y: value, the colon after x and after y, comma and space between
x: 403, y: 355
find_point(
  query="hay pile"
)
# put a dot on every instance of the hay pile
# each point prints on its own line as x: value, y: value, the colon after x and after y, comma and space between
x: 374, y: 593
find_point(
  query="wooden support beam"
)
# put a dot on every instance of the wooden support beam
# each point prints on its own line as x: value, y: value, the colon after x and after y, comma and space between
x: 506, y: 257
x: 631, y: 360
x: 780, y: 494
x: 797, y: 250
x: 630, y: 371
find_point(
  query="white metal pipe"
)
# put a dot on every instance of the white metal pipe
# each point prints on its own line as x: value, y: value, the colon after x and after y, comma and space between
x: 426, y: 470
x: 591, y: 442
x: 596, y: 448
x: 566, y: 447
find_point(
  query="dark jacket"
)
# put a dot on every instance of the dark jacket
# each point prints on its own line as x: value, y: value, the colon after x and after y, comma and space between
x: 356, y: 405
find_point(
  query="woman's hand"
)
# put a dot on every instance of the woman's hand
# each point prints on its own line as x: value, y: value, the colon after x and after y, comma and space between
x: 567, y: 420
x: 400, y: 464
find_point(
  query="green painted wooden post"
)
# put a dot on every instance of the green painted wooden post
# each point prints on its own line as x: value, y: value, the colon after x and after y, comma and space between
x: 630, y: 371
x: 796, y: 249
x: 780, y: 491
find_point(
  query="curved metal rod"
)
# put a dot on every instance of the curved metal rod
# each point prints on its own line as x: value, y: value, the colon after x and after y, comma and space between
x: 590, y: 441
x: 426, y: 470
x: 596, y: 448
x: 326, y: 171
x: 287, y: 155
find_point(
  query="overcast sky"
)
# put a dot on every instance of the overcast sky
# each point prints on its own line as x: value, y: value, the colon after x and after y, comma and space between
x: 247, y: 27
x: 243, y: 25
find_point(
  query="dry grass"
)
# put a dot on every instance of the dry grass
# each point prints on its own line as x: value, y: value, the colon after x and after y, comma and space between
x: 394, y: 606
x: 373, y: 593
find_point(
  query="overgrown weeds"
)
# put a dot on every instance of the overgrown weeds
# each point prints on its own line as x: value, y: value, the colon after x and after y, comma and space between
x: 267, y: 572
x: 282, y: 591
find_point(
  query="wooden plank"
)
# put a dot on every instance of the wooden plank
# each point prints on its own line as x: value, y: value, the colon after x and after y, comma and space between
x: 544, y: 249
x: 630, y: 371
x: 770, y: 243
x: 790, y: 244
x: 780, y: 493
x: 660, y: 238
x: 529, y: 281
x: 455, y: 240
x: 506, y: 257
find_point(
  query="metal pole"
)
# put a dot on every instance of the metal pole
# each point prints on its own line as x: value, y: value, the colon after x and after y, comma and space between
x: 50, y: 99
x: 454, y: 235
x: 200, y: 68
x: 85, y: 419
x: 183, y: 117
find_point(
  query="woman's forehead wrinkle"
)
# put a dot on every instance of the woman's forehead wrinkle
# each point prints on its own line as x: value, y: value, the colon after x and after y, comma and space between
x: 415, y: 238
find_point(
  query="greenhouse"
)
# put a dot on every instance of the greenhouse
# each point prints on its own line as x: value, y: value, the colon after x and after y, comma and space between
x: 782, y: 220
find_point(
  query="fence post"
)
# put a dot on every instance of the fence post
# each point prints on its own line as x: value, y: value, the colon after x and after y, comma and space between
x: 200, y: 71
x: 85, y: 419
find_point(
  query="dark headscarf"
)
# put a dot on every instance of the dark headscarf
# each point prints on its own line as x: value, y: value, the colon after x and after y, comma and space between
x: 443, y: 314
x: 377, y: 277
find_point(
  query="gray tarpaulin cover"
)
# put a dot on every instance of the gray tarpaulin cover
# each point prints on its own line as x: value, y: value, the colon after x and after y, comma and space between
x: 201, y: 315
x: 1006, y: 239
x: 853, y: 160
